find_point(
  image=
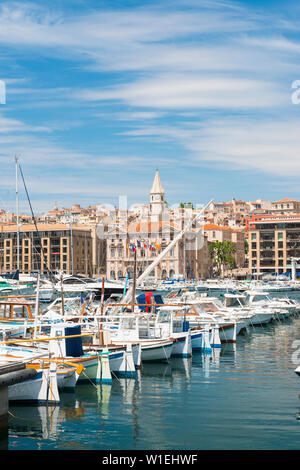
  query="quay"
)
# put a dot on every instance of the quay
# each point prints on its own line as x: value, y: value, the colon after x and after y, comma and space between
x: 10, y: 373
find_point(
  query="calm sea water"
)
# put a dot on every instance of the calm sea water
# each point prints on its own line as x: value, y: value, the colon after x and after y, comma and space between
x: 245, y: 396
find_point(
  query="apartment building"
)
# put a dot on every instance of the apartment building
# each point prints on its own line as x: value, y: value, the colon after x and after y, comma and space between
x: 235, y: 212
x: 54, y: 246
x: 286, y: 205
x: 273, y: 240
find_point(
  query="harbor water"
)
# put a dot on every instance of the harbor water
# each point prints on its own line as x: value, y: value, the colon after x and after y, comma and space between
x: 242, y: 396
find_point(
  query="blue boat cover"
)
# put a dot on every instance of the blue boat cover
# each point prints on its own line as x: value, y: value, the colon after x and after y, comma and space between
x: 73, y: 345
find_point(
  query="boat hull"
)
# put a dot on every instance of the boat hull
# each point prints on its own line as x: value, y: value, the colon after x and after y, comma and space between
x: 182, y: 346
x: 156, y: 352
x: 228, y: 333
x: 42, y: 389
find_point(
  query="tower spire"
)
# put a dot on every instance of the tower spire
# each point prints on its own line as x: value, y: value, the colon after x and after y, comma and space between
x: 157, y: 196
x: 157, y: 186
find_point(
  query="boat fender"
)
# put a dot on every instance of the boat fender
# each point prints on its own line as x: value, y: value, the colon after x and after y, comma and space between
x: 15, y: 377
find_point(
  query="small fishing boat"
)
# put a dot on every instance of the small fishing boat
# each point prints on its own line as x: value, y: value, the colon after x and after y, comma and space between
x: 136, y: 328
x: 16, y: 311
x: 67, y: 373
x: 170, y: 324
x: 41, y: 387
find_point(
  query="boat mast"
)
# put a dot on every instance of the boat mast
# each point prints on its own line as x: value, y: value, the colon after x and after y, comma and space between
x: 134, y: 280
x: 37, y: 306
x: 72, y: 248
x: 17, y: 209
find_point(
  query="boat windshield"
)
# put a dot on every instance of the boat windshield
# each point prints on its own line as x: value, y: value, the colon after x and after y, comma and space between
x: 260, y: 298
x: 209, y: 307
x: 163, y: 317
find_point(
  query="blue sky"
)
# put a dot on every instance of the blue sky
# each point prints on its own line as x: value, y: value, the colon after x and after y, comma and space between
x: 100, y: 94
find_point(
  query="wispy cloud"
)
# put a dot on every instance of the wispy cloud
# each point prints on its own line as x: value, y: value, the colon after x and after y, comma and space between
x: 198, y: 83
x: 271, y: 146
x: 192, y: 91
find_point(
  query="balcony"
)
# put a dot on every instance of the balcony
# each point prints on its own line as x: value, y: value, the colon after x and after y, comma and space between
x: 267, y: 262
x: 293, y: 237
x: 293, y: 253
x: 267, y: 244
x: 267, y: 254
x: 267, y: 236
x: 293, y: 245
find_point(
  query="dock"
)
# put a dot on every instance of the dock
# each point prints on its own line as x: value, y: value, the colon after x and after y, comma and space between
x: 10, y: 373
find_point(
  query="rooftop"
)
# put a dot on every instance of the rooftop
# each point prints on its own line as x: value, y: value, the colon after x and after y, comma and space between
x: 286, y: 200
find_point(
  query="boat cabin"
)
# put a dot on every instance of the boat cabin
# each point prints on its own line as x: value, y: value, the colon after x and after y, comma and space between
x: 16, y: 310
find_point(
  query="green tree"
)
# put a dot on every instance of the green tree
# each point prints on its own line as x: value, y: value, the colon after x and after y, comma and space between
x: 187, y: 205
x: 222, y: 254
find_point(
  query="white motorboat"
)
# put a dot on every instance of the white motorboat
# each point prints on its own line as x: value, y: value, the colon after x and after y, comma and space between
x: 136, y: 328
x: 76, y: 286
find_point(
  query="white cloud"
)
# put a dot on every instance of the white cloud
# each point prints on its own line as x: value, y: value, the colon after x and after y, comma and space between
x: 30, y: 24
x: 271, y: 146
x: 139, y: 115
x: 214, y: 57
x: 8, y: 125
x: 188, y: 91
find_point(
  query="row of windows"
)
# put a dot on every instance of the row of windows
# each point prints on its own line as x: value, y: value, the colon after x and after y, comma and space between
x: 267, y: 235
x: 142, y: 252
x: 266, y: 244
x: 282, y: 206
x: 121, y: 275
x: 280, y: 254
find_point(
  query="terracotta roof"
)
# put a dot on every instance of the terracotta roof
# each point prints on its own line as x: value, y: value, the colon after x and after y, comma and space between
x: 215, y: 227
x: 286, y: 200
x: 220, y: 227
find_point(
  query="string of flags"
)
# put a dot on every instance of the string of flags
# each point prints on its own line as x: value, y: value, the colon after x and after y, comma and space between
x: 145, y: 246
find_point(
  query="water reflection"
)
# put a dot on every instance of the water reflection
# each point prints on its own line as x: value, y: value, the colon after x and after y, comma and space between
x: 256, y: 374
x: 35, y: 422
